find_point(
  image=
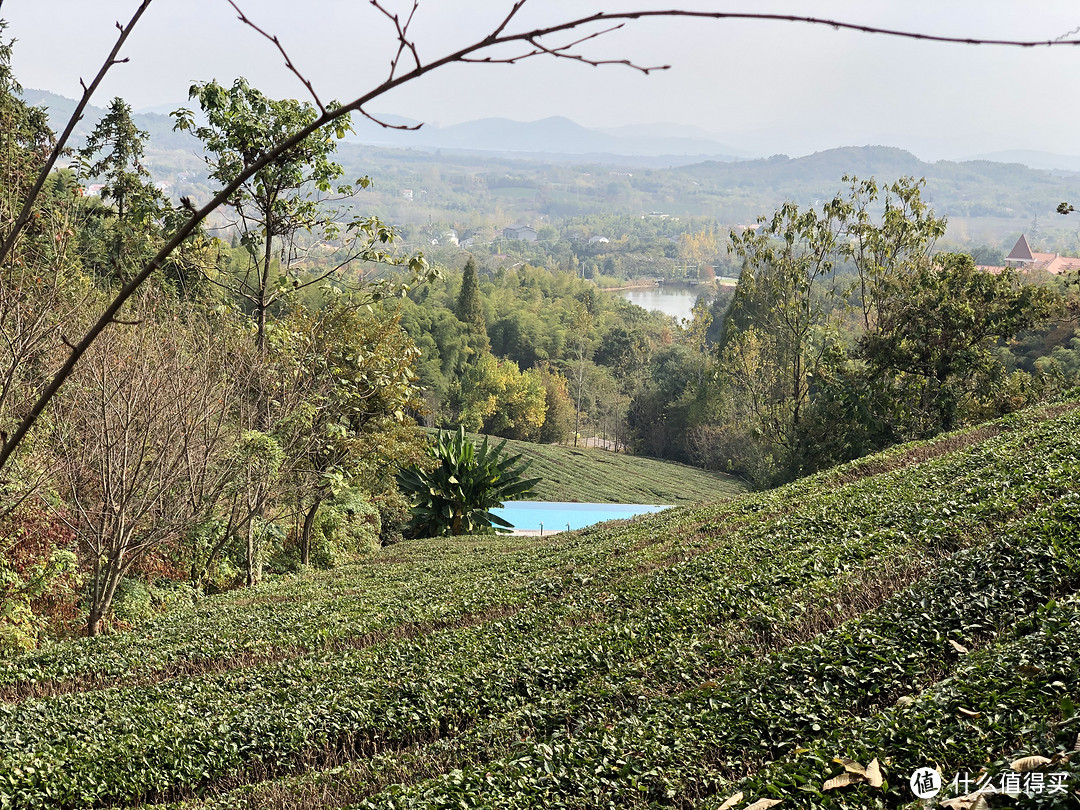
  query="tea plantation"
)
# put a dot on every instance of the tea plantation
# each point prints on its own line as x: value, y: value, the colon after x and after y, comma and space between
x: 591, y: 475
x: 808, y: 647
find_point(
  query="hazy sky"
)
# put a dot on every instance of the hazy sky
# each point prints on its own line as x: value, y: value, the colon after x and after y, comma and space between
x: 764, y: 87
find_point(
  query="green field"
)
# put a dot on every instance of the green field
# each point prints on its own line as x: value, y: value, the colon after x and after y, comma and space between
x: 920, y: 607
x: 590, y: 475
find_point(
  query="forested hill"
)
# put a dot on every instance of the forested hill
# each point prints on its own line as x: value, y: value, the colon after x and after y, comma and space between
x: 158, y: 126
x: 915, y: 607
x: 979, y: 188
x: 987, y: 201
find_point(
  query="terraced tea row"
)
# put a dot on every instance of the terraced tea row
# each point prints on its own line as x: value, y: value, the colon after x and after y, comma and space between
x: 651, y: 656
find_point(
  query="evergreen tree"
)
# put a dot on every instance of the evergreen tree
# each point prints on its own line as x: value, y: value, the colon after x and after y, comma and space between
x: 470, y: 309
x: 114, y: 152
x: 25, y: 143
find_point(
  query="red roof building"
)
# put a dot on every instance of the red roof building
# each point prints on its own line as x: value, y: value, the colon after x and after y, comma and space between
x: 1023, y: 257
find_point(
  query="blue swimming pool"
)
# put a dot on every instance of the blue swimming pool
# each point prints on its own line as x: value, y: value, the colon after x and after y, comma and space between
x: 553, y: 516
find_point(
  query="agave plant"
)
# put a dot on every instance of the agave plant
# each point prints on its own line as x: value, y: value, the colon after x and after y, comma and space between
x: 455, y: 497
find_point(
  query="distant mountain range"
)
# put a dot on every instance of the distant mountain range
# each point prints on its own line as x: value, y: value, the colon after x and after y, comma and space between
x: 962, y: 188
x: 158, y: 126
x: 555, y: 139
x: 555, y: 169
x: 548, y: 138
x: 553, y: 136
x: 1048, y: 161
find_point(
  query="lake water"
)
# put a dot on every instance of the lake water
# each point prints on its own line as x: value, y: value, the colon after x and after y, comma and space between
x: 676, y: 300
x: 554, y: 516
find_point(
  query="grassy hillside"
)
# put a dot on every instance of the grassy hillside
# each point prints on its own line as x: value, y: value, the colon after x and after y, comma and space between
x: 589, y: 475
x: 918, y: 607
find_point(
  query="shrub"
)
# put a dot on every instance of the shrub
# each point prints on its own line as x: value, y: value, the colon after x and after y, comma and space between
x: 393, y: 510
x: 455, y: 496
x: 345, y: 526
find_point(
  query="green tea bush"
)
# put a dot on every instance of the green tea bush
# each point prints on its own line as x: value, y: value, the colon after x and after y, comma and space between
x: 346, y: 526
x: 671, y: 660
x: 138, y: 601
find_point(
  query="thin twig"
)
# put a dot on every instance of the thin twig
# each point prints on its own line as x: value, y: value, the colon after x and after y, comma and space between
x: 281, y: 49
x: 58, y: 148
x: 1067, y: 34
x: 387, y: 125
x: 404, y: 43
x: 506, y: 21
x: 563, y: 52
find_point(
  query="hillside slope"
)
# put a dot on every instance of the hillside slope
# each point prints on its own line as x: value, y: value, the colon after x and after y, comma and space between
x: 590, y: 475
x: 916, y: 608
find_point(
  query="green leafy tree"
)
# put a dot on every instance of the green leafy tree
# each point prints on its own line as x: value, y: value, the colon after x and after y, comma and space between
x: 41, y: 289
x: 581, y: 325
x: 132, y: 225
x: 25, y: 143
x: 935, y: 334
x: 891, y: 232
x: 777, y: 327
x: 470, y: 309
x: 456, y: 495
x: 559, y: 408
x: 495, y: 396
x: 274, y: 206
x: 357, y: 381
x: 282, y: 199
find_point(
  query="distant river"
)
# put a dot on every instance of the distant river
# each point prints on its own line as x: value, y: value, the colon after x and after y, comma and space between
x: 676, y: 300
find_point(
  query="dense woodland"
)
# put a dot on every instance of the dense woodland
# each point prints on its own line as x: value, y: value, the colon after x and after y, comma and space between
x: 248, y: 411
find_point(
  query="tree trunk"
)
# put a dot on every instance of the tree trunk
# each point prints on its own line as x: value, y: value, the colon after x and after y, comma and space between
x: 263, y: 304
x: 577, y: 401
x: 102, y: 597
x: 252, y: 577
x: 305, y: 537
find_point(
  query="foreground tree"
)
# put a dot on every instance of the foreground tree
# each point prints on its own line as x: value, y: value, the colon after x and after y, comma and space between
x: 38, y: 292
x: 138, y: 432
x: 277, y: 202
x: 356, y: 384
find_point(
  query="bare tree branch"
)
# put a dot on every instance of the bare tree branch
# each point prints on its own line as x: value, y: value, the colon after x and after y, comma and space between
x: 387, y: 124
x: 839, y: 25
x: 564, y: 52
x: 281, y: 48
x: 76, y: 116
x: 498, y: 37
x: 404, y: 43
x: 510, y: 16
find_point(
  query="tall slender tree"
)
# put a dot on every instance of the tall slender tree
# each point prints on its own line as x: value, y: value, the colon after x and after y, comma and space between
x: 114, y: 152
x: 470, y: 309
x: 780, y: 312
x: 281, y: 199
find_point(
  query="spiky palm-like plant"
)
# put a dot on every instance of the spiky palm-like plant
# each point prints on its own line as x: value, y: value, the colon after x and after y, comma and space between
x: 455, y: 496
